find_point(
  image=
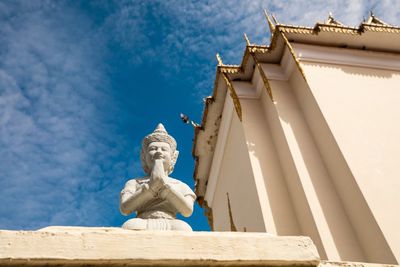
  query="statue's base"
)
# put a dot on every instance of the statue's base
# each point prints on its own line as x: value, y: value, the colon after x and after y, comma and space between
x: 93, y: 246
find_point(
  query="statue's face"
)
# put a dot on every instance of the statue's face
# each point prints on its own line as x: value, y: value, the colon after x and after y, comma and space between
x: 158, y: 150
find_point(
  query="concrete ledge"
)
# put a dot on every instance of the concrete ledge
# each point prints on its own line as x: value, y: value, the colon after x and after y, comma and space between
x: 352, y: 264
x: 116, y: 246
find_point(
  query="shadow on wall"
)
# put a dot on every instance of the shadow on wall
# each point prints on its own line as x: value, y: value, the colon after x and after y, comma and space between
x: 349, y: 243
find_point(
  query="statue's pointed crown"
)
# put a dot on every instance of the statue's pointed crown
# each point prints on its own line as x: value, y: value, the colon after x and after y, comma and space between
x: 159, y: 135
x: 160, y: 129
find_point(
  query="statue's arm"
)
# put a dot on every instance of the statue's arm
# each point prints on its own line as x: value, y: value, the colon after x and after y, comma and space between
x: 182, y: 200
x: 134, y: 196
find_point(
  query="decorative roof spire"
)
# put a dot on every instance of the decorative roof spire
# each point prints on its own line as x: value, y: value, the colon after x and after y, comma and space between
x: 274, y: 19
x: 332, y: 20
x: 247, y: 39
x: 375, y: 20
x: 271, y: 25
x: 219, y: 59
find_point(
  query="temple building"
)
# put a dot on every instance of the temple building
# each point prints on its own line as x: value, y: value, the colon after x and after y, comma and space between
x: 302, y: 138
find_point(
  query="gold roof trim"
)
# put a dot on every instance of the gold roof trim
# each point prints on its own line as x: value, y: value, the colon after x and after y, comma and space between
x: 317, y: 28
x: 322, y: 27
x: 379, y: 28
x: 233, y: 95
x: 286, y: 28
x: 258, y: 49
x: 293, y: 53
x: 332, y: 25
x: 230, y: 69
x: 267, y: 86
x: 233, y: 69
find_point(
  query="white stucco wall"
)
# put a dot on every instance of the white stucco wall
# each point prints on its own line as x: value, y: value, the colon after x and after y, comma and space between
x: 361, y: 108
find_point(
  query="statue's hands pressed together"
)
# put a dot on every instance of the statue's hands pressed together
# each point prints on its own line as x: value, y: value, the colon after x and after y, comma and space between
x: 157, y: 176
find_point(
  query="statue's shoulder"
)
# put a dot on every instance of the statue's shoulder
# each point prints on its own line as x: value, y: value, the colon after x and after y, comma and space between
x: 174, y: 181
x: 184, y: 187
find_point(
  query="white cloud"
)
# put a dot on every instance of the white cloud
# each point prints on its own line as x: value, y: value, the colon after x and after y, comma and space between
x: 55, y: 147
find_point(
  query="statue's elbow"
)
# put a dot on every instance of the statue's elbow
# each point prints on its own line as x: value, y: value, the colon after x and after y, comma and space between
x: 187, y: 211
x: 124, y: 210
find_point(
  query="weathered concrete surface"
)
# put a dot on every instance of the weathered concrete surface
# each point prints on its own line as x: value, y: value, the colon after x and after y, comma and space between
x: 115, y: 246
x: 352, y: 264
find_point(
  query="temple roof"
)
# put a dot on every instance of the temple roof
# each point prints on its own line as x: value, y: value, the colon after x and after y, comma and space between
x: 372, y: 34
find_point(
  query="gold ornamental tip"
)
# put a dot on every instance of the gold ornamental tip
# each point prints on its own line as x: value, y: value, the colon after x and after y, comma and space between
x: 332, y: 20
x: 219, y: 59
x: 375, y: 20
x: 271, y: 25
x: 247, y: 39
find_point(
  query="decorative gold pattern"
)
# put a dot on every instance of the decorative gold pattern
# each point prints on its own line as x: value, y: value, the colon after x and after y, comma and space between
x: 295, y: 29
x: 380, y: 28
x: 332, y: 25
x: 322, y: 27
x: 264, y: 77
x: 231, y: 69
x: 234, y: 96
x: 296, y: 60
x: 258, y: 49
x: 232, y: 223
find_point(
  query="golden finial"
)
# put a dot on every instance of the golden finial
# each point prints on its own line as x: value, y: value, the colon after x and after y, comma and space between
x: 274, y: 19
x: 219, y: 59
x: 247, y: 39
x: 270, y: 23
x: 332, y: 20
x: 375, y: 20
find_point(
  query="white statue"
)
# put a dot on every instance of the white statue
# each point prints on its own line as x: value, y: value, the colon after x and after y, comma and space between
x: 157, y: 198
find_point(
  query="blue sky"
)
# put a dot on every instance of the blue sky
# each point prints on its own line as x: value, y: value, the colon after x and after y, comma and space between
x: 81, y: 83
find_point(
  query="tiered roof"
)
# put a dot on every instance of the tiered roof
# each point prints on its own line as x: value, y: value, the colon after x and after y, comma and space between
x: 372, y: 34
